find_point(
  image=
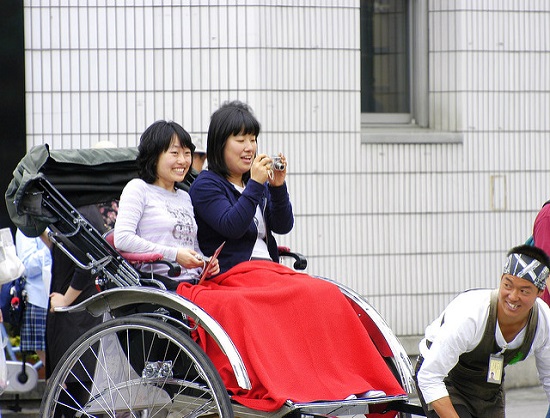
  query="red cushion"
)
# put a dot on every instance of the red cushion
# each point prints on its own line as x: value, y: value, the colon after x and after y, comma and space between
x: 132, y: 257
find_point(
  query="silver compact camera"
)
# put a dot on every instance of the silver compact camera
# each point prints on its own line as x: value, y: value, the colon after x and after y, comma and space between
x: 277, y: 164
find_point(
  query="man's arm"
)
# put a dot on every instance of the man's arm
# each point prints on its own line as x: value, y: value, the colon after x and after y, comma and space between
x: 61, y: 300
x: 460, y: 332
x: 444, y: 408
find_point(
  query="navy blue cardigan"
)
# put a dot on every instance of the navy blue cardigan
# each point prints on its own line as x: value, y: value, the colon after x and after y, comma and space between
x: 224, y: 214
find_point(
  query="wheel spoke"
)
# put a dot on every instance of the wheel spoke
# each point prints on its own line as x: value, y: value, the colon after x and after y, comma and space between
x: 140, y: 366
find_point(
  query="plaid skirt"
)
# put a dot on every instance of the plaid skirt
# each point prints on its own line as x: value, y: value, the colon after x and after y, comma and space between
x: 33, y: 330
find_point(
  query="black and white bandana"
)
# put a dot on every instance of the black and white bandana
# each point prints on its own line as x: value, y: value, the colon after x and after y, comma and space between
x: 525, y: 267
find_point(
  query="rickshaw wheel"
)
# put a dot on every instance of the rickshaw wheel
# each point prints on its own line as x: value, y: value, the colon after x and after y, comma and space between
x: 135, y: 367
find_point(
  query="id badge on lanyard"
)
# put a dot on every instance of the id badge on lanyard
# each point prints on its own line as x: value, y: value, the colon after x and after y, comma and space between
x: 496, y: 367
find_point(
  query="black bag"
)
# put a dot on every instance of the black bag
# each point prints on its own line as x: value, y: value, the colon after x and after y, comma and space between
x: 13, y: 300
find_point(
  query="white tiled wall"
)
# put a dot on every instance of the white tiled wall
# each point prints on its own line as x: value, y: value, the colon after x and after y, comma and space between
x: 406, y: 225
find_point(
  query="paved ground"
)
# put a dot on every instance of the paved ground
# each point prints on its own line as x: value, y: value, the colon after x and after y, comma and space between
x: 526, y: 403
x: 521, y: 403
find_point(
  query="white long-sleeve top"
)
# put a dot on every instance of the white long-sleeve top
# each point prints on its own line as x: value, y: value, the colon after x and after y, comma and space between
x: 154, y: 220
x: 462, y: 330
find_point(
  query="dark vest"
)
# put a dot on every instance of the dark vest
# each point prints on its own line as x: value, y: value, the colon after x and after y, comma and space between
x: 467, y: 381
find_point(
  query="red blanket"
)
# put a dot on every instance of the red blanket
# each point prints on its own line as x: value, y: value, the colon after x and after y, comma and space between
x: 298, y: 336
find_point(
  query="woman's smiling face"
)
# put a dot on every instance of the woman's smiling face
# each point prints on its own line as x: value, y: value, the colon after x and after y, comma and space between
x: 172, y: 165
x: 238, y: 153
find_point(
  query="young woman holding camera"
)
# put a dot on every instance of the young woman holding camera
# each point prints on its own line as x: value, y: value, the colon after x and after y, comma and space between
x: 240, y: 199
x: 299, y: 337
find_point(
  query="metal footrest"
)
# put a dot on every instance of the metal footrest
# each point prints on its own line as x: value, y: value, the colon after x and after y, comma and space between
x: 335, y: 408
x: 347, y: 407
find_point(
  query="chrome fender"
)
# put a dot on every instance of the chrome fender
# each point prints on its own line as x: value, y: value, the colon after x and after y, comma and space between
x: 111, y: 299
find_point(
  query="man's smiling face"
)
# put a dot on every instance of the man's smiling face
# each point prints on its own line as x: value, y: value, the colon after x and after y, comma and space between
x: 516, y: 297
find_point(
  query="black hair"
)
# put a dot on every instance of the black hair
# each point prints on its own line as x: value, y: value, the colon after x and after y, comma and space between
x: 232, y: 118
x: 155, y: 140
x: 532, y: 252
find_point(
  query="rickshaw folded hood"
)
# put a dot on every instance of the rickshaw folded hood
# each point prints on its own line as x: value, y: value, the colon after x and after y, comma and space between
x: 83, y: 176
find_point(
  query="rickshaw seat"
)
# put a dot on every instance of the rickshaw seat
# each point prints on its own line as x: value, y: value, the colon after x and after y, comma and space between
x: 300, y: 262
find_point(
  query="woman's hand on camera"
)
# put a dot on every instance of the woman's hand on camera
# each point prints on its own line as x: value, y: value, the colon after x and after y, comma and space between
x: 259, y: 171
x: 189, y: 258
x: 262, y: 170
x: 277, y: 177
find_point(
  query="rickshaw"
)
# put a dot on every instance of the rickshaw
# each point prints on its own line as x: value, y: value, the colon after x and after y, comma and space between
x: 145, y: 361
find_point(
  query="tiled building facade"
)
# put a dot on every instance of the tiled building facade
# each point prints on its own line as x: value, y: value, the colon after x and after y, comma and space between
x: 406, y: 212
